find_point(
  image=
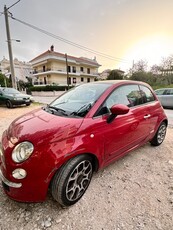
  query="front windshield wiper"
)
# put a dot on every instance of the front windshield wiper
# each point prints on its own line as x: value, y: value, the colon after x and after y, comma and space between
x: 57, y: 110
x: 82, y: 111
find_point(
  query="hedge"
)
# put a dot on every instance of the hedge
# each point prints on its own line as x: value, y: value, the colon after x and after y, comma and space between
x: 49, y: 88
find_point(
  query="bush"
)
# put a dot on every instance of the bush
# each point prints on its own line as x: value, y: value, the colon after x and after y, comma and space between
x: 162, y: 86
x: 49, y: 88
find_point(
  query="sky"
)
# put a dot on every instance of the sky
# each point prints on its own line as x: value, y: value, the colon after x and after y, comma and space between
x: 126, y: 30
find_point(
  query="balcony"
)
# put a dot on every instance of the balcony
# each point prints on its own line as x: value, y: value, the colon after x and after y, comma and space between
x: 62, y: 71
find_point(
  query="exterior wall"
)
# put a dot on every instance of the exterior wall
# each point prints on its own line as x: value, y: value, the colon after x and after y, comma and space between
x: 50, y: 68
x: 62, y: 79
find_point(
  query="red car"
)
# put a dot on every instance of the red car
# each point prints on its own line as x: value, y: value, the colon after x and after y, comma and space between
x: 60, y: 145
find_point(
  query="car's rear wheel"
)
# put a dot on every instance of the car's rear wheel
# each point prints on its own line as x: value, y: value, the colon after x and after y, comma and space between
x: 160, y: 135
x: 9, y: 104
x: 72, y: 180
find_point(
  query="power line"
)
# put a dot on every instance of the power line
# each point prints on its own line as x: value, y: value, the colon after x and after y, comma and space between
x: 13, y: 5
x: 70, y: 42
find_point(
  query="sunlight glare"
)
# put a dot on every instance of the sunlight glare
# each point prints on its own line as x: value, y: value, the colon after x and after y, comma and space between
x: 151, y: 49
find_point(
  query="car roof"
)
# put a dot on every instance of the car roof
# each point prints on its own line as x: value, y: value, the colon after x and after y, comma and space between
x: 114, y: 82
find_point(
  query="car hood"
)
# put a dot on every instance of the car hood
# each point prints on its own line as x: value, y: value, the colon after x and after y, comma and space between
x: 40, y: 126
x: 18, y: 95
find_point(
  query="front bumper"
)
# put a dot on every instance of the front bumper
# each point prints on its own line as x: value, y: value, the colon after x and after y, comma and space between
x: 33, y: 188
x: 20, y: 102
x: 9, y: 183
x: 25, y: 191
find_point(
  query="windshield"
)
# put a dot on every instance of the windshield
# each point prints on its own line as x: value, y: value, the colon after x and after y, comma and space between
x: 79, y: 100
x: 10, y: 91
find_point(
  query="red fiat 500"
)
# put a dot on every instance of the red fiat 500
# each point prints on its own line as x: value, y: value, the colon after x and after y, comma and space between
x: 60, y: 145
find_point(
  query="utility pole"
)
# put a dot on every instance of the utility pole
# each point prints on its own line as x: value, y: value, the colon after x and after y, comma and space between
x: 67, y: 72
x: 10, y: 48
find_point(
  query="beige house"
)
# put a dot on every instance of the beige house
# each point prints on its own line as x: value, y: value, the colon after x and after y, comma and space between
x: 51, y: 68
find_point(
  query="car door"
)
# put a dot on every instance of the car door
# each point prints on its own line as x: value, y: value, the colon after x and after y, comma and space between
x: 152, y: 105
x: 126, y: 131
x: 169, y: 98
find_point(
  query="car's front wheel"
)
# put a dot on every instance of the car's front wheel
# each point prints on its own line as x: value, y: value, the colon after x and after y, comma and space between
x: 160, y: 135
x: 72, y: 180
x: 9, y: 104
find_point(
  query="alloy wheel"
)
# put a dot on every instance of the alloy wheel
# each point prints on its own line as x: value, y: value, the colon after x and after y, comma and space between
x: 79, y: 180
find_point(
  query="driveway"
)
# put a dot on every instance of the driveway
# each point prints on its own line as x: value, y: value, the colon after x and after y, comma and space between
x: 134, y: 193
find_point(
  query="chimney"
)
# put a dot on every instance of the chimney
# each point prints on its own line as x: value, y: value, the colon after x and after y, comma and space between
x: 52, y: 48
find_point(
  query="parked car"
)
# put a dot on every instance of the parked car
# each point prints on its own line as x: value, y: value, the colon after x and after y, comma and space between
x: 165, y: 96
x: 59, y: 146
x: 11, y: 97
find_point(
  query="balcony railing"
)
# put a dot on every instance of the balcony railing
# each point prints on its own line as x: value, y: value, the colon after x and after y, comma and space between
x: 63, y: 71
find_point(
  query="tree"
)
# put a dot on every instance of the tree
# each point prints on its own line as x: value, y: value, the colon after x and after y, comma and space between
x: 140, y: 66
x: 115, y: 75
x: 167, y: 62
x: 4, y: 81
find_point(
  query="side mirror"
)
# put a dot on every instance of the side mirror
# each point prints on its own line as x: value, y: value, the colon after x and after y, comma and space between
x: 116, y: 110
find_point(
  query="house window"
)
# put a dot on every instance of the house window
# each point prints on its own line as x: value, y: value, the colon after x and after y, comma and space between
x: 74, y: 80
x: 88, y: 70
x: 74, y: 69
x: 81, y: 69
x: 69, y: 69
x: 82, y: 79
x: 88, y: 79
x: 44, y: 68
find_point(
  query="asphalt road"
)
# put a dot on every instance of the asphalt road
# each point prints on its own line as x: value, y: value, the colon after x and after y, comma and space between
x: 47, y: 100
x: 133, y: 193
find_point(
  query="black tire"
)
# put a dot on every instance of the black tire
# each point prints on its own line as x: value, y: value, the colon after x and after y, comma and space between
x: 28, y: 104
x: 72, y: 180
x: 160, y: 135
x: 9, y: 104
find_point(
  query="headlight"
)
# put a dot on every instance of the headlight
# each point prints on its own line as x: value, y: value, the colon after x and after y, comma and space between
x: 22, y: 151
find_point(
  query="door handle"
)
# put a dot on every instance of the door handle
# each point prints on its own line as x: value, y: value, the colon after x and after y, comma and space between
x: 147, y: 116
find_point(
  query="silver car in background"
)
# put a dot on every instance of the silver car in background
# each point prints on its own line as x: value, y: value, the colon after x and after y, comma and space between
x: 165, y: 96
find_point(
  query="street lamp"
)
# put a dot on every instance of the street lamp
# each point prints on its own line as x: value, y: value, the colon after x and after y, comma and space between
x: 16, y: 40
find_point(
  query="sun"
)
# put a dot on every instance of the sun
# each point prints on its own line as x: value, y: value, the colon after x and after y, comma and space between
x: 151, y: 49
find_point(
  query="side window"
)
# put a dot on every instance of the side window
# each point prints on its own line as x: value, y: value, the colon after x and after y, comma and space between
x: 169, y: 92
x: 147, y: 95
x: 159, y: 91
x: 127, y: 95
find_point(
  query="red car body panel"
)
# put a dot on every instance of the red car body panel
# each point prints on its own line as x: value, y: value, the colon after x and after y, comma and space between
x: 56, y: 139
